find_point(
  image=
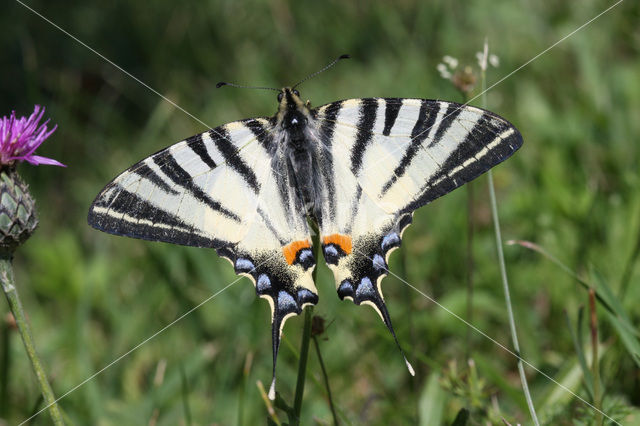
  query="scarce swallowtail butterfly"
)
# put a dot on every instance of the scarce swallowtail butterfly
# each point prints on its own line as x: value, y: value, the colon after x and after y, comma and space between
x: 357, y: 168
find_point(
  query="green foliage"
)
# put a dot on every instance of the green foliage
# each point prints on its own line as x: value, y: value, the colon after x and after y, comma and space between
x: 573, y: 188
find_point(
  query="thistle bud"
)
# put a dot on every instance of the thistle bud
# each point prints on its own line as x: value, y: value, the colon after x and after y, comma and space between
x: 18, y: 218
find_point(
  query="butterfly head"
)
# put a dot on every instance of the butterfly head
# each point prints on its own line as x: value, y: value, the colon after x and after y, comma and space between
x: 292, y: 111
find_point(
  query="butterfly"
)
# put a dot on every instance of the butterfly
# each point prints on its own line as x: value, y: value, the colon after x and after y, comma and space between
x: 356, y: 169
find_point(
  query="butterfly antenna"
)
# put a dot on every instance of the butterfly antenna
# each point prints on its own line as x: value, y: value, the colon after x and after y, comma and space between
x: 335, y: 61
x: 224, y: 83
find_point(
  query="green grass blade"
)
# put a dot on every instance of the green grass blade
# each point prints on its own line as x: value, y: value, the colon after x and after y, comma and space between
x: 577, y: 343
x: 432, y: 401
x: 619, y: 319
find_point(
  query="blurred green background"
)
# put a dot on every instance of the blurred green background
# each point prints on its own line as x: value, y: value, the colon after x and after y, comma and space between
x: 573, y: 188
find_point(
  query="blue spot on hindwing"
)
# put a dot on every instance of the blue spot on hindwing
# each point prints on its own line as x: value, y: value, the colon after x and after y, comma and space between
x: 345, y: 289
x: 305, y: 258
x: 390, y: 240
x: 330, y: 250
x: 365, y: 290
x: 331, y: 254
x: 263, y: 284
x: 306, y: 296
x: 305, y: 254
x: 244, y: 265
x: 379, y: 263
x: 286, y: 302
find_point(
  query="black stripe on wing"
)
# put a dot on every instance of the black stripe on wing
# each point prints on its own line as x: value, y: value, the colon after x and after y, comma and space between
x: 270, y: 227
x: 180, y: 177
x: 421, y: 130
x: 232, y: 158
x: 146, y: 172
x: 260, y: 132
x: 453, y: 111
x: 355, y: 201
x: 197, y: 145
x: 327, y: 128
x: 126, y: 214
x: 391, y: 110
x: 366, y: 121
x: 491, y: 141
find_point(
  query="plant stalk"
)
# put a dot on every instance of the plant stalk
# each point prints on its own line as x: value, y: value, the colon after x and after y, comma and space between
x: 628, y: 269
x: 326, y: 381
x: 507, y: 298
x: 302, y: 366
x: 595, y: 364
x: 470, y: 212
x: 185, y: 396
x: 11, y: 292
x: 306, y: 337
x: 503, y: 269
x: 5, y: 365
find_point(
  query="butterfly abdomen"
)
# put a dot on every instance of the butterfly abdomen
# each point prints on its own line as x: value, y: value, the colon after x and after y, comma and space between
x: 302, y: 164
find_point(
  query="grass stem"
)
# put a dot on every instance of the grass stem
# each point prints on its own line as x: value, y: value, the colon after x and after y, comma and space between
x: 628, y: 269
x: 11, y: 292
x: 306, y: 337
x: 267, y: 403
x: 5, y: 365
x: 302, y: 365
x: 185, y: 396
x: 326, y: 381
x: 595, y: 362
x: 507, y: 298
x: 503, y: 269
x: 470, y: 214
x: 246, y: 370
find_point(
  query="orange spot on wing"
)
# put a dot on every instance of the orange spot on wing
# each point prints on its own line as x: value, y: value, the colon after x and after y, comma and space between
x: 291, y: 250
x: 342, y: 241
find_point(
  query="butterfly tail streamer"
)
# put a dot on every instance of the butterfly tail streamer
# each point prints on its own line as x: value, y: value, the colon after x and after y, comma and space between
x: 384, y: 314
x: 285, y: 304
x: 275, y: 335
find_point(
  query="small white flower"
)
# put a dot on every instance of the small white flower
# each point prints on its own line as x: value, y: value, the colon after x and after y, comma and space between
x: 451, y: 61
x: 483, y: 56
x: 444, y: 71
x: 494, y: 60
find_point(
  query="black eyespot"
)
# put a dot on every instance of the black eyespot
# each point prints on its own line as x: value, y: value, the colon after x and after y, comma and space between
x: 295, y: 92
x: 280, y: 95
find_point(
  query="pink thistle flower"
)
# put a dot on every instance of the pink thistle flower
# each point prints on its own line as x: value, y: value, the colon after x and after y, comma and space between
x: 20, y: 137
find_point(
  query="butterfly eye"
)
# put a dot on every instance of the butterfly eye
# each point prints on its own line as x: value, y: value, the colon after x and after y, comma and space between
x: 280, y: 96
x: 295, y: 92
